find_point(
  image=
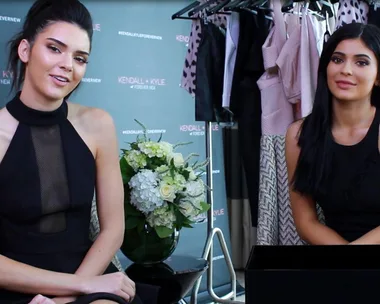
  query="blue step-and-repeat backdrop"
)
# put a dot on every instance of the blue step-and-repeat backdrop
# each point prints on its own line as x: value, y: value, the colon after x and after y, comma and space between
x: 134, y: 73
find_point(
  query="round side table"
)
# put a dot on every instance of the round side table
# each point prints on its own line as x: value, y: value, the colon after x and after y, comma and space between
x: 175, y: 276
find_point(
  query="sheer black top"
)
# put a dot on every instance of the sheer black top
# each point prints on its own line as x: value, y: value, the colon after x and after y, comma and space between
x: 47, y: 181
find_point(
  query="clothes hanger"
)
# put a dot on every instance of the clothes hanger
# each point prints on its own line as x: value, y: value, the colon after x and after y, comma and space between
x: 178, y: 15
x: 232, y: 5
x: 313, y: 7
x: 327, y: 8
x: 262, y: 5
x: 287, y: 7
x: 217, y: 8
x: 243, y: 4
x: 201, y: 7
x: 254, y: 7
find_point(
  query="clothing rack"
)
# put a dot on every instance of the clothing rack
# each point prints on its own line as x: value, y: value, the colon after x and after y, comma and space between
x: 212, y: 231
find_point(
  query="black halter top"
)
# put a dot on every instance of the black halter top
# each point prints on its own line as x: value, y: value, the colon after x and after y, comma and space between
x: 47, y: 180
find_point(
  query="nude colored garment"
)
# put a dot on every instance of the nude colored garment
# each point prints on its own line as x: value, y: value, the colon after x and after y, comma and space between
x: 298, y: 65
x: 277, y: 112
x: 309, y: 61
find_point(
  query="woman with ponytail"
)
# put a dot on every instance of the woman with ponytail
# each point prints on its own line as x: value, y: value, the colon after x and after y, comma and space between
x: 53, y: 155
x: 333, y: 155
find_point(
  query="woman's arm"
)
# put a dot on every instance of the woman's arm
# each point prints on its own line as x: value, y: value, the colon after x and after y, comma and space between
x: 109, y: 195
x: 370, y: 238
x: 20, y: 277
x: 304, y: 208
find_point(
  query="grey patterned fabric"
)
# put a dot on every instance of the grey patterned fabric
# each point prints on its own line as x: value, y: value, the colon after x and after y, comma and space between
x: 275, y: 220
x: 94, y: 231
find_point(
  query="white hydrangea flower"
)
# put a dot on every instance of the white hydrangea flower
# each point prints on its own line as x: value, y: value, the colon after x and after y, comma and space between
x: 145, y: 194
x: 195, y: 190
x: 136, y: 159
x: 162, y: 217
x: 188, y: 209
x: 163, y: 171
x: 166, y: 147
x: 190, y: 205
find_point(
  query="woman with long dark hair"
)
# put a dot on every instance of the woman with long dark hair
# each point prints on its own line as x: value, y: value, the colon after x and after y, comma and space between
x: 333, y: 155
x: 53, y: 155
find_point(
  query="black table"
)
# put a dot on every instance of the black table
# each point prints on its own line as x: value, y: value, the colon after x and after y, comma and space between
x: 176, y: 276
x: 313, y: 274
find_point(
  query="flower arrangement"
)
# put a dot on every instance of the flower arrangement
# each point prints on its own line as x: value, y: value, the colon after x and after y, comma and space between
x: 162, y: 188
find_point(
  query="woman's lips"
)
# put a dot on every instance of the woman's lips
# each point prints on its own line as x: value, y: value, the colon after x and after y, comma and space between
x: 343, y: 84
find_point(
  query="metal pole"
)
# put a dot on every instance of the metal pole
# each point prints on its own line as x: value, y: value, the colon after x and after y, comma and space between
x: 229, y: 298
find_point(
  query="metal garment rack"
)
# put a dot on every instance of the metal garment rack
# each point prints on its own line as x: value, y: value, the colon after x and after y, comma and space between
x: 229, y: 298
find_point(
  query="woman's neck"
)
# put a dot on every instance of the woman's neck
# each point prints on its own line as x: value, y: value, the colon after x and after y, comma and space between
x: 352, y: 114
x: 34, y: 100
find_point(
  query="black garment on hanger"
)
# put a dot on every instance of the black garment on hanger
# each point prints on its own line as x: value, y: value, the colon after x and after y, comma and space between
x: 374, y: 15
x: 210, y: 74
x: 246, y: 98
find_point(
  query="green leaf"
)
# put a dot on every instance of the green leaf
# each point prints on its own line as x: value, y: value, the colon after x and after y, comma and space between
x: 131, y: 222
x: 131, y: 210
x: 160, y: 137
x: 144, y: 129
x: 135, y: 146
x: 181, y: 219
x: 172, y: 168
x: 163, y: 232
x: 181, y: 144
x: 185, y: 174
x: 123, y: 168
x: 140, y: 227
x: 187, y: 226
x: 126, y: 170
x: 205, y: 207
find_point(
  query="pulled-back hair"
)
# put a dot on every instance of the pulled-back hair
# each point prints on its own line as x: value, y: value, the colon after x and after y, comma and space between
x: 314, y: 163
x: 42, y: 14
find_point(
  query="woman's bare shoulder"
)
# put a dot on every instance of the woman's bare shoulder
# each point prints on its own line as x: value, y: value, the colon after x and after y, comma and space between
x: 293, y: 132
x: 7, y: 121
x: 93, y: 119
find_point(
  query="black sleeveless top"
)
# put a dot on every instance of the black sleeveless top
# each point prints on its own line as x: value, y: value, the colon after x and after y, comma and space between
x: 352, y: 204
x: 47, y: 181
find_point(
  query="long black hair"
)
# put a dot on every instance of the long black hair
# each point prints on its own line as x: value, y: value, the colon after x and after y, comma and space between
x: 42, y: 14
x: 314, y: 163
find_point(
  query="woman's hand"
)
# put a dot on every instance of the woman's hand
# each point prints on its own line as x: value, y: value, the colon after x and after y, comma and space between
x: 64, y: 300
x: 116, y: 283
x: 39, y: 299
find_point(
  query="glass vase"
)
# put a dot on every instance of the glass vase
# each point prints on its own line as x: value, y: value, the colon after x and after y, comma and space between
x: 146, y: 247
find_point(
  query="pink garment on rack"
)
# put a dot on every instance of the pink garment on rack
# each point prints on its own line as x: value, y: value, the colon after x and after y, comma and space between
x: 298, y: 64
x: 309, y: 61
x: 277, y: 112
x: 290, y: 68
